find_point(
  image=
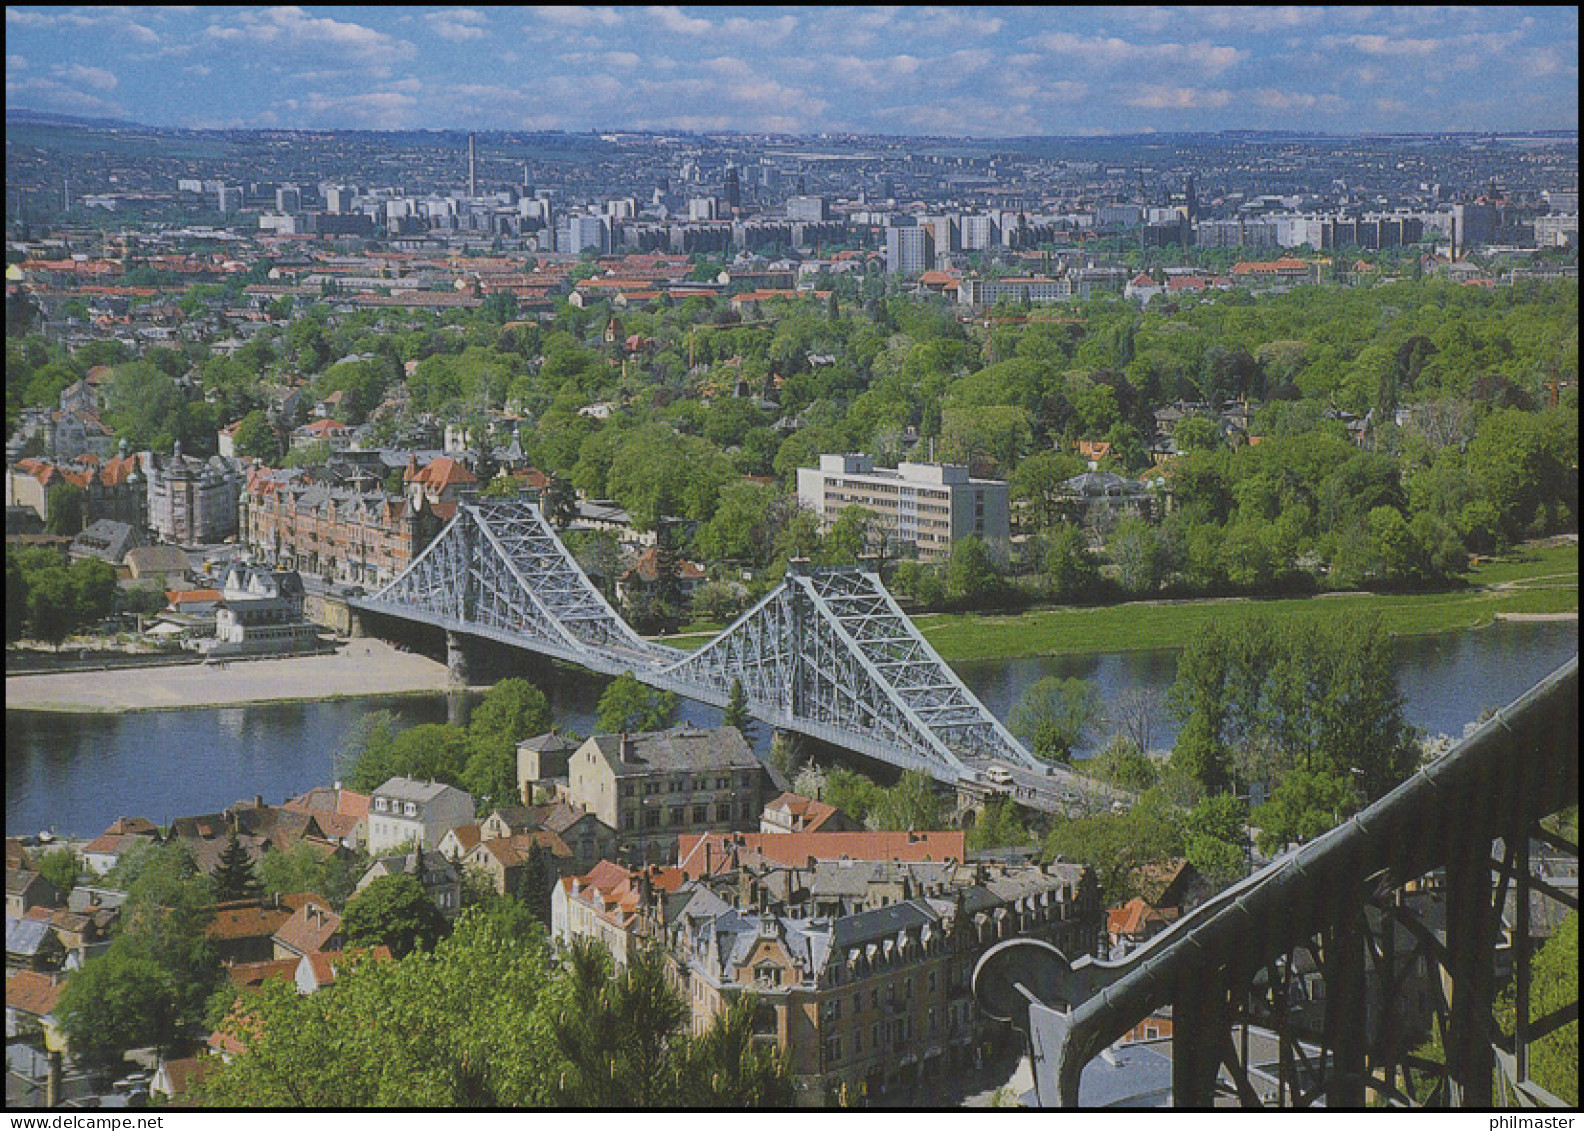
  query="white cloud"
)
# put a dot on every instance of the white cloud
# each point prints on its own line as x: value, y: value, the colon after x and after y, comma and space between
x: 1112, y: 52
x: 1177, y: 98
x: 375, y: 109
x: 573, y: 15
x: 76, y: 74
x: 673, y: 20
x: 52, y: 94
x: 16, y: 63
x: 760, y: 32
x: 457, y: 25
x: 294, y: 29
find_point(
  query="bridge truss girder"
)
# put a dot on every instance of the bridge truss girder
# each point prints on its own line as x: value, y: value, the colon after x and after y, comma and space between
x: 828, y: 653
x: 1351, y: 909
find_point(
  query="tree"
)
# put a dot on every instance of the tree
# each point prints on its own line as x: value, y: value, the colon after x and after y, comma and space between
x: 1124, y: 764
x: 393, y: 911
x: 363, y: 757
x: 628, y: 706
x: 560, y: 502
x: 1069, y: 570
x: 1040, y: 482
x: 256, y: 437
x: 463, y: 1026
x: 157, y: 974
x: 1306, y: 804
x: 513, y: 709
x: 1135, y: 548
x: 998, y: 826
x: 332, y: 877
x: 1214, y: 836
x: 490, y: 772
x: 973, y: 579
x: 118, y: 1001
x: 911, y: 805
x: 618, y: 1032
x: 234, y: 879
x: 64, y: 504
x: 1056, y: 716
x: 538, y: 884
x: 1261, y: 699
x: 728, y: 1066
x: 1115, y: 844
x: 60, y: 867
x: 1554, y: 1059
x: 737, y: 710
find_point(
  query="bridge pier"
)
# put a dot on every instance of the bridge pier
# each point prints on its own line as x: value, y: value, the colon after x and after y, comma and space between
x: 456, y: 660
x: 356, y: 629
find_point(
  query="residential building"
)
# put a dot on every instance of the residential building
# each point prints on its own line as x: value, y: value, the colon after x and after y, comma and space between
x: 608, y: 905
x: 404, y: 813
x: 643, y: 576
x: 505, y: 859
x: 111, y: 489
x: 873, y: 1001
x: 192, y: 500
x: 909, y: 251
x: 27, y: 889
x: 792, y: 813
x: 101, y: 854
x: 1032, y: 289
x: 653, y: 787
x: 317, y: 970
x: 923, y: 506
x: 542, y: 760
x: 313, y: 927
x: 589, y: 839
x: 341, y: 813
x: 348, y: 534
x: 261, y: 611
x: 244, y: 930
x: 440, y: 878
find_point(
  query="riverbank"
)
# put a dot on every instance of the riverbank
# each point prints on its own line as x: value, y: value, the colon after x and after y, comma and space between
x: 363, y: 668
x: 1542, y: 586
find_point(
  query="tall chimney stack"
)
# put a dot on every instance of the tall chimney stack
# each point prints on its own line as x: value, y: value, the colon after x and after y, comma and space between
x: 472, y: 166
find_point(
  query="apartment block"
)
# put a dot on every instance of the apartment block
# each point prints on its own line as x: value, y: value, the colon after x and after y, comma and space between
x: 927, y: 506
x: 654, y: 786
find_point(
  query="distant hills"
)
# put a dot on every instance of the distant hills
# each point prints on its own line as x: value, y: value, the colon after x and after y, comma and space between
x: 22, y: 115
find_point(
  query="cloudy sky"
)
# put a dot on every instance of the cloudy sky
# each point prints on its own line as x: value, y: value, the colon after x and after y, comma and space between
x: 958, y: 71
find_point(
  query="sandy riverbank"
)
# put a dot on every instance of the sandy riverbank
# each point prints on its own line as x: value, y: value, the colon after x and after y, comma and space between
x: 362, y: 667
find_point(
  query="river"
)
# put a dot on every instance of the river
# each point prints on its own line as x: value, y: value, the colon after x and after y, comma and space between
x: 76, y: 774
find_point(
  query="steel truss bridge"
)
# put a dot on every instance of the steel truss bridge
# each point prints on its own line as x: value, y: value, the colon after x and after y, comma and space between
x: 1427, y: 894
x: 827, y: 654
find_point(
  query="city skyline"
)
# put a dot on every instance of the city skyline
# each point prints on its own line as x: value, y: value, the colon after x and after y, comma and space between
x: 980, y: 72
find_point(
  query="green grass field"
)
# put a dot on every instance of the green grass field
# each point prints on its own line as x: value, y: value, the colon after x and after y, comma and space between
x: 1545, y: 583
x: 1535, y: 582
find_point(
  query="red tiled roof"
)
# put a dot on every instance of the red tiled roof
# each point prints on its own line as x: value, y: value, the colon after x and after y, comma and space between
x: 246, y: 920
x: 646, y: 570
x: 715, y: 850
x: 309, y: 928
x: 244, y: 975
x: 814, y: 813
x: 31, y: 992
x: 440, y: 473
x: 324, y: 963
x: 613, y: 891
x: 513, y: 850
